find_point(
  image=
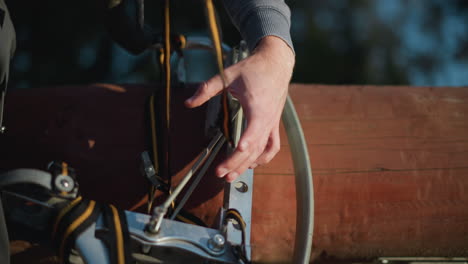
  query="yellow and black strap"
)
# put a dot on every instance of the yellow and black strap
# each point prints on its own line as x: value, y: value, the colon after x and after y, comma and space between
x: 79, y: 215
x: 63, y: 212
x: 240, y: 251
x: 71, y: 221
x: 236, y: 216
x: 116, y: 237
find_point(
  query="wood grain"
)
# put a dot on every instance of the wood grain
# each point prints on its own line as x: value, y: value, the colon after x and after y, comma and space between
x: 390, y: 164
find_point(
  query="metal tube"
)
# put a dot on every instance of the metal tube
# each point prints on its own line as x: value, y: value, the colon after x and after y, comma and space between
x: 25, y: 198
x: 304, y: 184
x: 160, y: 211
x: 194, y: 168
x: 198, y: 178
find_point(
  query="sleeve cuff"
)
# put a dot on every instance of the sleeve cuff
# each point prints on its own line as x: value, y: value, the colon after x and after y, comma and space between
x: 266, y: 21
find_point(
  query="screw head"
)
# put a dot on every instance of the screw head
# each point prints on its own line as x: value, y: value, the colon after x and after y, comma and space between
x: 64, y: 183
x: 241, y: 186
x: 216, y: 243
x: 2, y: 129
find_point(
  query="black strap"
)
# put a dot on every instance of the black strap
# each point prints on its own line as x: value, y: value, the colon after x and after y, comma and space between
x: 116, y: 236
x: 78, y: 216
x: 72, y: 224
x: 239, y: 251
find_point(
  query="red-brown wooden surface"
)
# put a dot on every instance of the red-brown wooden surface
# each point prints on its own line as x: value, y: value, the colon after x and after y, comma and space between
x: 390, y: 164
x: 390, y: 168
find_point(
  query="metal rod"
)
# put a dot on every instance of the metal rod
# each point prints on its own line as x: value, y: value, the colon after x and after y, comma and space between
x: 2, y: 105
x: 20, y: 196
x: 194, y: 168
x: 199, y: 176
x: 160, y: 211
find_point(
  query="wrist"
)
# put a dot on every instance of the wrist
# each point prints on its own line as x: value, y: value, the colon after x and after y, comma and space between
x: 276, y: 50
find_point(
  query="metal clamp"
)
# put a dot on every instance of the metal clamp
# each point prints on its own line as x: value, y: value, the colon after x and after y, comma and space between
x: 205, y: 242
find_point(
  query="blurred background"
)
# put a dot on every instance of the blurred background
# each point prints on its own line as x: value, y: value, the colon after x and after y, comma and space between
x: 391, y: 42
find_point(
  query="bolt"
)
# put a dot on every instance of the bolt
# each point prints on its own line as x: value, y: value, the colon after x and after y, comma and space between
x: 65, y: 183
x: 216, y: 243
x: 156, y: 219
x: 2, y: 129
x: 241, y: 186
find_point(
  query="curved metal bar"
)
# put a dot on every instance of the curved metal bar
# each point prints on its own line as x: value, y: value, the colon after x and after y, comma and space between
x: 304, y: 184
x: 28, y: 176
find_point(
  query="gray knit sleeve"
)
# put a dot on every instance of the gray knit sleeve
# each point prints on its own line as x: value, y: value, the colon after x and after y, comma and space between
x: 256, y: 19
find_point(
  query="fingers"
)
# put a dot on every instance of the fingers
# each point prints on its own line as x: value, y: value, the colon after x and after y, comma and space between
x: 251, y: 145
x: 252, y: 151
x: 204, y: 93
x: 272, y: 148
x: 241, y: 167
x: 253, y: 166
x: 228, y: 166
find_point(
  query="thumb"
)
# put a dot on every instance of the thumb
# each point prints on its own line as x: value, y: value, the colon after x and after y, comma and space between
x: 205, y: 92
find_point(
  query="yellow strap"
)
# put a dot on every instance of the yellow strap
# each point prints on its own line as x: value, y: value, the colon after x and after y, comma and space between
x: 238, y: 217
x: 63, y: 212
x: 215, y: 36
x: 183, y: 41
x: 167, y: 64
x: 64, y: 168
x: 161, y: 56
x: 167, y: 58
x: 75, y: 225
x: 118, y: 236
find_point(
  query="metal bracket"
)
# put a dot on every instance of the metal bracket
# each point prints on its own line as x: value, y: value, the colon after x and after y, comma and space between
x: 205, y: 242
x: 239, y: 196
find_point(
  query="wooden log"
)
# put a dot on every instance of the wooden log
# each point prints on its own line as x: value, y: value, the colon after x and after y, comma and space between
x: 389, y: 166
x: 389, y: 163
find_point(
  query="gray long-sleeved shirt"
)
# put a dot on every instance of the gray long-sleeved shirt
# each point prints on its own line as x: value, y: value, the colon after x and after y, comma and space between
x: 256, y: 19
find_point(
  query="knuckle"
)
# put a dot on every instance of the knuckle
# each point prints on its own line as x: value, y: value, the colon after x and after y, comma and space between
x: 204, y: 88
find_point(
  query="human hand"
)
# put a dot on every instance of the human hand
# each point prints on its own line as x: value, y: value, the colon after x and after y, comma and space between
x: 260, y: 83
